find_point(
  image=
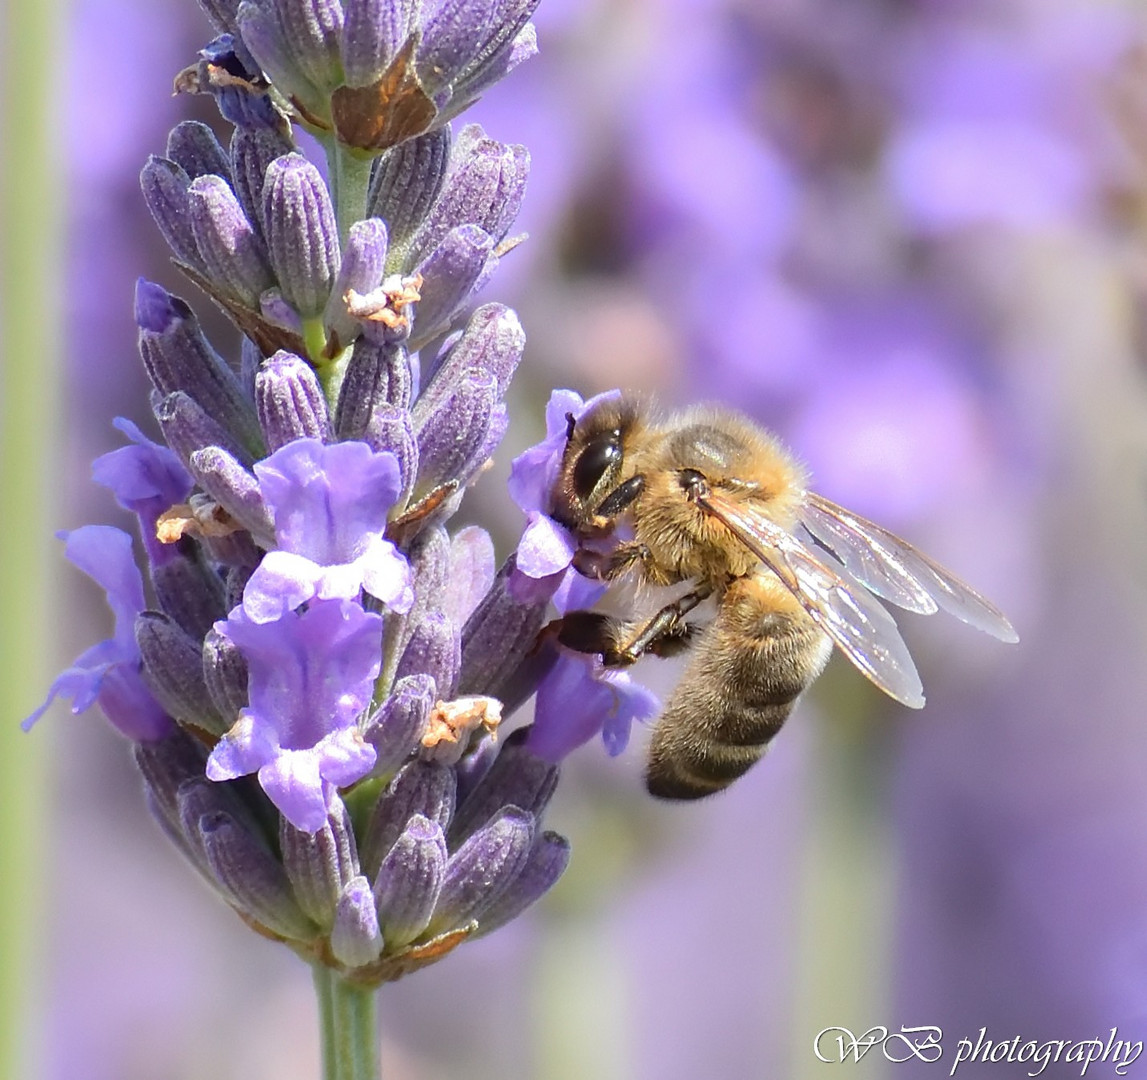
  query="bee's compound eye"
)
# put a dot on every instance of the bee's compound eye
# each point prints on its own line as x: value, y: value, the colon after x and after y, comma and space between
x: 600, y: 455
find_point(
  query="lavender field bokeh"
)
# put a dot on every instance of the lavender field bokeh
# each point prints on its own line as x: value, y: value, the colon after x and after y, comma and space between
x: 911, y: 237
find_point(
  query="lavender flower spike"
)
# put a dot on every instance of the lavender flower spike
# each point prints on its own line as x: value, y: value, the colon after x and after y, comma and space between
x: 308, y: 662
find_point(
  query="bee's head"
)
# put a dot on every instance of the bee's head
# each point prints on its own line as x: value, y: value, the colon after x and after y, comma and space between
x: 593, y: 465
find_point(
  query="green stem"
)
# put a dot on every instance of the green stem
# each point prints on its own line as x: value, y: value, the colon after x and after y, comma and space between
x: 348, y: 1022
x: 350, y: 186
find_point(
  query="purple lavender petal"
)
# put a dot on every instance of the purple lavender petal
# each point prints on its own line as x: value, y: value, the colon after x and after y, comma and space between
x: 580, y: 698
x: 311, y: 676
x: 471, y: 573
x: 545, y: 547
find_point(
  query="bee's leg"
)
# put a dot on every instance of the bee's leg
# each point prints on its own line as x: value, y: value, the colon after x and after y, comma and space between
x: 622, y: 643
x: 620, y: 498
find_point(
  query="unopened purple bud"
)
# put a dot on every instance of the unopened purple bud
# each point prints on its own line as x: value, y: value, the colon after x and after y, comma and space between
x: 179, y: 358
x: 450, y: 38
x: 513, y: 40
x: 410, y: 880
x: 361, y: 270
x: 435, y: 647
x: 173, y: 671
x: 232, y: 253
x: 547, y: 862
x: 483, y: 867
x: 423, y: 789
x: 253, y: 877
x: 225, y: 674
x: 453, y: 431
x: 492, y: 342
x: 407, y: 181
x: 166, y: 764
x: 449, y: 275
x: 188, y: 428
x: 429, y: 557
x: 391, y: 428
x: 313, y: 29
x: 252, y: 151
x: 233, y: 487
x: 399, y: 724
x: 376, y: 375
x: 373, y: 33
x: 484, y: 187
x: 355, y: 938
x: 164, y: 185
x: 264, y: 34
x: 320, y: 864
x: 497, y: 637
x: 518, y: 777
x: 193, y: 146
x: 189, y: 591
x: 302, y: 236
x: 290, y: 402
x: 222, y: 14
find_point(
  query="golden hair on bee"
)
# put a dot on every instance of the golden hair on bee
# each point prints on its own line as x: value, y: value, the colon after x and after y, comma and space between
x: 711, y: 499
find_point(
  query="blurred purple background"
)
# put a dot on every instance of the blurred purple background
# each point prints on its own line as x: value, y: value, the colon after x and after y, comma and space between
x: 909, y: 235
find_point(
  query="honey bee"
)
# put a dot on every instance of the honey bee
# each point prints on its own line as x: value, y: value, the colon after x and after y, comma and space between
x: 711, y: 500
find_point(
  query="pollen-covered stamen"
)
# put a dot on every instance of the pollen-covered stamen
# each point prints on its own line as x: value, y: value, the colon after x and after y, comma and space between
x: 452, y: 723
x: 388, y: 303
x: 199, y: 516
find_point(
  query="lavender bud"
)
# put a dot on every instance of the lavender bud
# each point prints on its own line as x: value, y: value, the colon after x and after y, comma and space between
x: 429, y: 557
x: 313, y: 29
x: 451, y: 433
x: 356, y: 939
x: 512, y: 41
x: 225, y: 479
x: 252, y: 151
x: 250, y: 360
x: 546, y: 863
x: 172, y: 667
x: 376, y: 375
x: 399, y: 724
x: 194, y: 147
x: 301, y: 233
x: 493, y: 342
x: 178, y: 357
x: 484, y: 187
x: 187, y: 428
x: 449, y: 275
x: 409, y: 881
x: 231, y: 250
x: 435, y: 648
x: 263, y: 32
x: 190, y: 592
x: 225, y: 674
x: 222, y: 14
x: 471, y: 573
x: 483, y: 867
x: 450, y: 38
x: 497, y: 638
x: 320, y: 864
x: 164, y: 185
x: 373, y: 33
x: 361, y: 270
x: 407, y: 181
x: 290, y: 401
x: 253, y: 877
x: 517, y: 777
x: 421, y: 788
x: 166, y: 764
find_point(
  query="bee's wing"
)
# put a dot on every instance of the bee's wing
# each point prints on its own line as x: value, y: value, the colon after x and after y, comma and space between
x: 894, y: 569
x: 856, y: 622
